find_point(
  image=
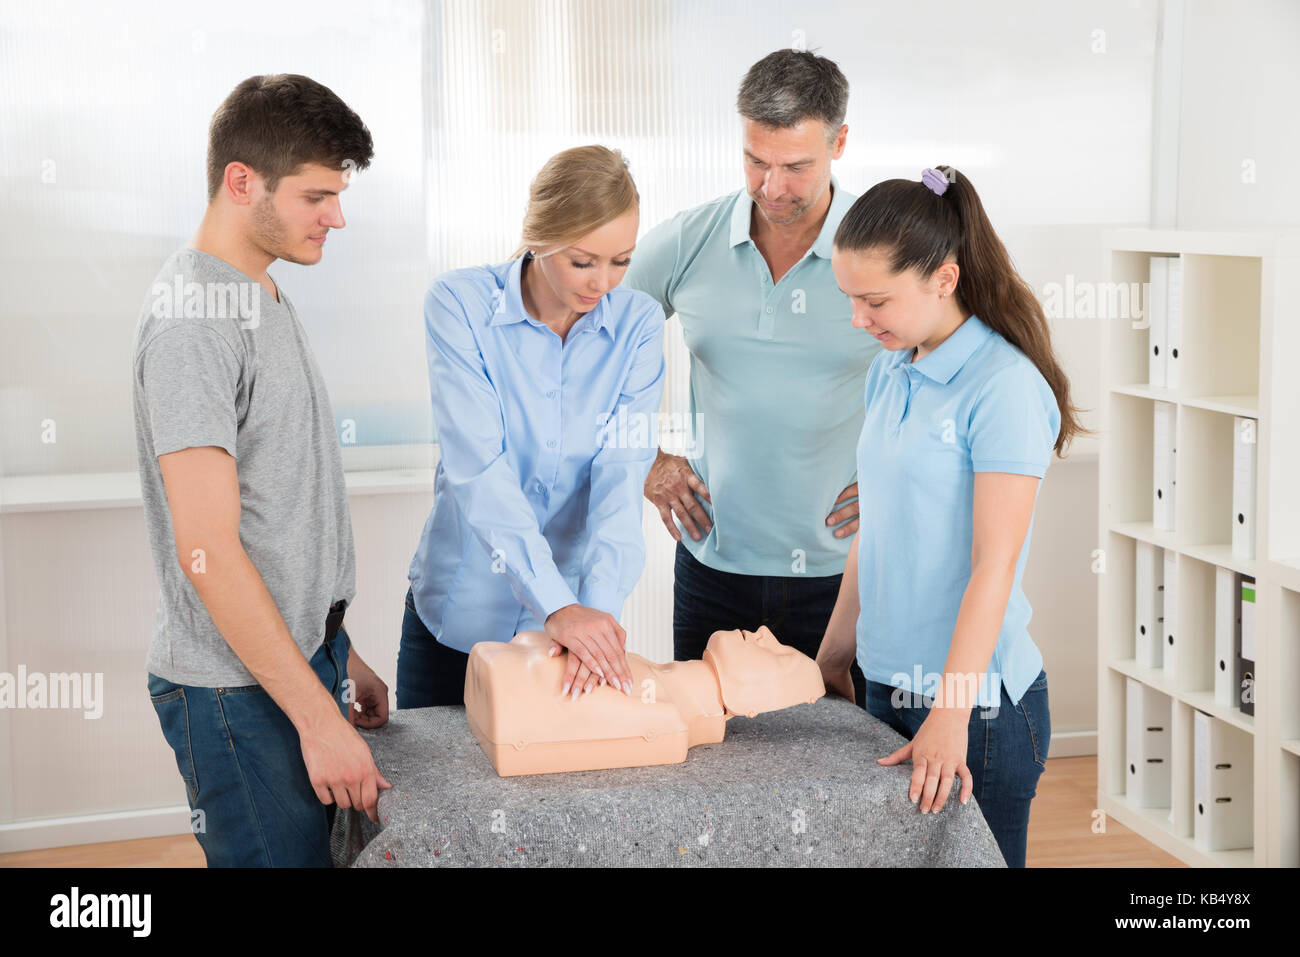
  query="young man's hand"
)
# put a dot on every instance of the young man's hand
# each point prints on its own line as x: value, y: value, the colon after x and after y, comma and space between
x: 341, y: 768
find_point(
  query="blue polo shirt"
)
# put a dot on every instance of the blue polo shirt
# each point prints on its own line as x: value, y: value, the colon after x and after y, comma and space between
x: 975, y: 404
x: 776, y: 372
x: 544, y: 449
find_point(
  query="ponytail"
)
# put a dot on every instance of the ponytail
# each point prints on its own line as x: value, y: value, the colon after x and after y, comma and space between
x: 919, y: 228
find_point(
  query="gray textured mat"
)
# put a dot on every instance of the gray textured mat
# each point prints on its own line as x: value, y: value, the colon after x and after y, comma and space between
x: 794, y: 787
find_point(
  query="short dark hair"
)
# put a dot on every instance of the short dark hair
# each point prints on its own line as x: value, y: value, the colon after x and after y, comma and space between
x: 279, y: 122
x: 789, y: 86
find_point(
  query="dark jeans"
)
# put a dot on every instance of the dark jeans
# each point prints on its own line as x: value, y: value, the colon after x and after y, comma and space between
x: 251, y: 802
x: 1006, y: 752
x: 428, y: 672
x: 796, y: 609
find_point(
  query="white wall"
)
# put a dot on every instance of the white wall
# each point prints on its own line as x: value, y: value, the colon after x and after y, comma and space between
x: 1047, y: 108
x: 1239, y: 143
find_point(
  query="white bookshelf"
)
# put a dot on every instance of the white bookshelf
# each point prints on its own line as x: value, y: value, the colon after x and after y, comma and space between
x: 1239, y: 356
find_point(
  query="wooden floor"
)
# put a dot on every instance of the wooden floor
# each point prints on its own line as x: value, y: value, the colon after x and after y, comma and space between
x: 1060, y: 834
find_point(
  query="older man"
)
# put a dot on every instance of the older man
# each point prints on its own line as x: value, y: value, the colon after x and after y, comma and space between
x: 768, y: 493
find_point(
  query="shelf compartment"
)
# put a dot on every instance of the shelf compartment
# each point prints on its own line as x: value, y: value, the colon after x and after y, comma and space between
x: 1204, y: 498
x: 1220, y: 335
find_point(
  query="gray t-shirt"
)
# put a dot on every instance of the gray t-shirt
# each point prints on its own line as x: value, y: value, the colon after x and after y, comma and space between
x: 217, y: 361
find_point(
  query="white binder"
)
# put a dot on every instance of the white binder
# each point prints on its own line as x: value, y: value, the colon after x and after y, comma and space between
x: 1223, y: 785
x: 1170, y: 625
x: 1245, y: 447
x: 1157, y: 290
x: 1148, y: 738
x: 1149, y: 604
x: 1225, y: 613
x: 1174, y: 324
x: 1163, y: 467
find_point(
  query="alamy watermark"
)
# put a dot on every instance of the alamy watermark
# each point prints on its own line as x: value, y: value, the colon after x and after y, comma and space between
x: 959, y: 690
x: 75, y: 691
x: 1082, y: 299
x: 677, y: 433
x: 208, y: 300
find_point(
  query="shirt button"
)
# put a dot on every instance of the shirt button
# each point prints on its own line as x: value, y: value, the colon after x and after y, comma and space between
x: 552, y: 394
x: 541, y: 487
x: 769, y: 310
x: 550, y: 443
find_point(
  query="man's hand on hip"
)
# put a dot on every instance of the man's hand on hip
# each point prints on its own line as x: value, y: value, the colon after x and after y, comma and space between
x: 849, y: 511
x: 672, y: 485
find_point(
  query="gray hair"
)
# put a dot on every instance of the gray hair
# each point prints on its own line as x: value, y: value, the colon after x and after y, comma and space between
x: 789, y: 86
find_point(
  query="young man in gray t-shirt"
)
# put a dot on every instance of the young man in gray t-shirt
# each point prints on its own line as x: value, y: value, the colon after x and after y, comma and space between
x: 250, y: 670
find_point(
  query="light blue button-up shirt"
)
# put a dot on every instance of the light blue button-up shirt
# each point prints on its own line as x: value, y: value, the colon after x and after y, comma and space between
x: 975, y: 404
x: 776, y: 374
x: 544, y: 448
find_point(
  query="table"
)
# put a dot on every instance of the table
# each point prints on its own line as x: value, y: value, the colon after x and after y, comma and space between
x: 798, y: 787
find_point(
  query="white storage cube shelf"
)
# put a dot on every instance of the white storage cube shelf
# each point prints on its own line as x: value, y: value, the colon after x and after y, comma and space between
x: 1233, y: 413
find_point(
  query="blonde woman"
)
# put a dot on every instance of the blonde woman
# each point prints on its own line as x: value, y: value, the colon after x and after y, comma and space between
x: 545, y: 377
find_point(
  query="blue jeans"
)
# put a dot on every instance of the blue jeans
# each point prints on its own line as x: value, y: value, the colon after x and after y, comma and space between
x: 251, y: 802
x: 428, y: 672
x: 796, y: 609
x: 1006, y: 752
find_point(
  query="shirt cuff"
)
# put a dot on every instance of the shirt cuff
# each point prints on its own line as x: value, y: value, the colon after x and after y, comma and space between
x: 602, y: 597
x: 548, y: 593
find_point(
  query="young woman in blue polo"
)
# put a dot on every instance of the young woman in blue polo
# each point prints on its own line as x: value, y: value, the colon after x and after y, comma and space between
x: 964, y: 408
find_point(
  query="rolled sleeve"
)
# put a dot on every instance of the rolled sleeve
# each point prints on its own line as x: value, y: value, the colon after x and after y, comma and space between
x: 1014, y: 422
x: 471, y: 435
x: 615, y: 553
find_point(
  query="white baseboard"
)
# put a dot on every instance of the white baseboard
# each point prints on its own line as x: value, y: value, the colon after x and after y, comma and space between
x: 1072, y: 744
x: 93, y: 828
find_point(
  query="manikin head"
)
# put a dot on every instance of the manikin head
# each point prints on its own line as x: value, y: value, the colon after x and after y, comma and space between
x: 281, y: 149
x: 757, y: 673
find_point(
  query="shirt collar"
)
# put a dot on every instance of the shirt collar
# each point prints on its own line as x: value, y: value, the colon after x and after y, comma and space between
x: 510, y: 304
x: 944, y: 362
x: 741, y: 211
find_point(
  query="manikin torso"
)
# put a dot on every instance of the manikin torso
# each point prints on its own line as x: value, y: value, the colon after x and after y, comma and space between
x: 515, y: 709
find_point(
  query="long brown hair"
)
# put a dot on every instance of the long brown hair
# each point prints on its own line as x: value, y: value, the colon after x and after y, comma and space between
x: 916, y: 228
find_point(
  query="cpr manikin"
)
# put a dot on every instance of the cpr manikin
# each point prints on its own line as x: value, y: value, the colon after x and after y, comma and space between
x: 525, y: 727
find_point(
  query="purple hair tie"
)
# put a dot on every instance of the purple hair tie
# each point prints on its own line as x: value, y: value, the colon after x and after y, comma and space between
x: 935, y: 181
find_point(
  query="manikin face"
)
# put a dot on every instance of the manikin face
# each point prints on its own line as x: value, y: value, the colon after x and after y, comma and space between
x: 788, y: 169
x: 902, y: 310
x: 293, y: 222
x: 580, y: 273
x: 757, y: 673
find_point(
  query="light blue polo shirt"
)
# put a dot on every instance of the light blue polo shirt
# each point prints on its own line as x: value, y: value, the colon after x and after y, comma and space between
x: 975, y: 404
x: 776, y: 374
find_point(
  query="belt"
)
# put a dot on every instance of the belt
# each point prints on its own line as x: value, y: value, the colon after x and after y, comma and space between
x: 334, y: 620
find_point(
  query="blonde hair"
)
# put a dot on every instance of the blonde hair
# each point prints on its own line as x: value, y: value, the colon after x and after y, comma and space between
x: 578, y: 190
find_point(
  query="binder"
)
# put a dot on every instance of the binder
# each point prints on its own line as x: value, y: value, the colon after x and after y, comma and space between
x: 1244, y: 646
x: 1245, y: 446
x: 1149, y: 603
x: 1223, y: 785
x: 1163, y: 468
x: 1227, y: 591
x: 1157, y: 290
x: 1148, y: 746
x: 1174, y: 323
x: 1169, y: 625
